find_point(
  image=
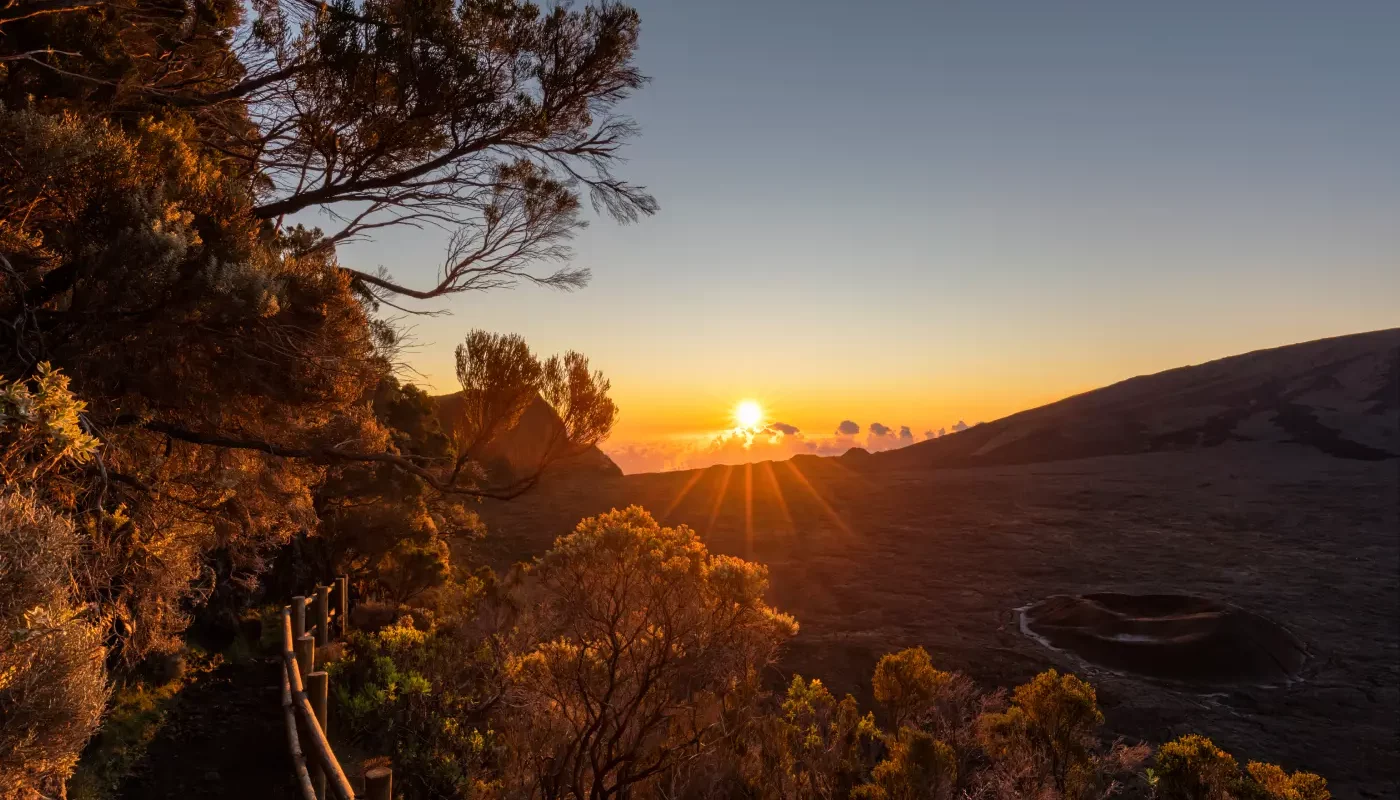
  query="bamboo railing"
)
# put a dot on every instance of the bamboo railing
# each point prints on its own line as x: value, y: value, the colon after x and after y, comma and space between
x: 306, y: 696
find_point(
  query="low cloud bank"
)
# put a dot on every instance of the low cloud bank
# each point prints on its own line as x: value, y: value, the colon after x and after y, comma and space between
x: 776, y: 441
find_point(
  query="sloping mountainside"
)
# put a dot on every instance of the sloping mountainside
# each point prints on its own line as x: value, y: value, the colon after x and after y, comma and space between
x: 1340, y: 396
x: 520, y: 449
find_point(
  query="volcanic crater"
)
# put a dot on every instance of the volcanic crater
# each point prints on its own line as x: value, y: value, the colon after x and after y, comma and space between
x: 1173, y: 637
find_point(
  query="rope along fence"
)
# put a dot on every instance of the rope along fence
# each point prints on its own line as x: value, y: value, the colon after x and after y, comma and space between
x: 306, y: 695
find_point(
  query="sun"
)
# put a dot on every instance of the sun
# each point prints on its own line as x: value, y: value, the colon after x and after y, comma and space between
x: 748, y: 414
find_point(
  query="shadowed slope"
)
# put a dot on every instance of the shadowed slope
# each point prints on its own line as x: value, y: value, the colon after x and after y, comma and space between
x: 1340, y: 396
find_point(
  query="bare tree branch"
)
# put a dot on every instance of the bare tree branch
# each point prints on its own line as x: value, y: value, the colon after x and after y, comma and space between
x: 336, y: 454
x: 16, y: 11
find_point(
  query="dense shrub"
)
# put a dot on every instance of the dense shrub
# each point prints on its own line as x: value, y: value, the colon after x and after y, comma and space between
x: 917, y: 767
x: 640, y: 644
x: 1271, y: 782
x: 626, y: 661
x: 944, y: 704
x: 1053, y: 719
x: 52, y: 682
x: 1194, y: 768
x: 422, y: 696
x: 817, y: 746
x: 907, y: 685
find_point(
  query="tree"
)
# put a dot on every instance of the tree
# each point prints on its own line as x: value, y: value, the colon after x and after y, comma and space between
x: 150, y: 152
x: 917, y: 767
x: 641, y: 644
x: 944, y: 704
x: 225, y: 366
x: 480, y: 118
x: 501, y: 377
x: 1055, y: 719
x: 1192, y: 767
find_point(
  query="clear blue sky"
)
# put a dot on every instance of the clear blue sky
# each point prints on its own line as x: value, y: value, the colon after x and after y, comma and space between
x: 911, y: 212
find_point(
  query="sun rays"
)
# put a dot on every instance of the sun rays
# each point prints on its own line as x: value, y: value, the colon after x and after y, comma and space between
x: 826, y: 507
x: 755, y: 502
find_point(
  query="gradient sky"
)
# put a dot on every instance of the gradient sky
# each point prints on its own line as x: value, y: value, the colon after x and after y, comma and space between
x: 916, y: 212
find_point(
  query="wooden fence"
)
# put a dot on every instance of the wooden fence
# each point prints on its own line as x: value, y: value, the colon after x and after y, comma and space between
x: 306, y: 696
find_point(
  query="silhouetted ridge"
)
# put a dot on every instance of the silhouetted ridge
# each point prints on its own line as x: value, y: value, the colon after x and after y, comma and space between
x: 1340, y: 396
x: 521, y: 449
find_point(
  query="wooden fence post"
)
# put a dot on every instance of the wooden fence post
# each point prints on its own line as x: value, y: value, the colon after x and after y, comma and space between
x: 322, y: 611
x: 306, y: 655
x: 298, y: 617
x: 305, y: 715
x: 318, y: 691
x: 342, y: 603
x: 379, y: 783
x: 289, y: 716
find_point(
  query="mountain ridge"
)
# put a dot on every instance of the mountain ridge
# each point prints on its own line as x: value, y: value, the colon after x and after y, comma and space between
x: 1340, y: 395
x: 520, y: 450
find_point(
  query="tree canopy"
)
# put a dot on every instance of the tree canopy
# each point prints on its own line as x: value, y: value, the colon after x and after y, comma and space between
x: 233, y: 383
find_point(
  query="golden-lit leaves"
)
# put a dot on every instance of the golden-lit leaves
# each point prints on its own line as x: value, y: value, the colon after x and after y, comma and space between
x: 643, y: 634
x: 1193, y: 767
x: 906, y: 683
x: 40, y: 426
x: 1055, y: 718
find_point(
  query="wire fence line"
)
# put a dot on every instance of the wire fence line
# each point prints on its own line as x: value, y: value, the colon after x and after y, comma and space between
x: 306, y: 696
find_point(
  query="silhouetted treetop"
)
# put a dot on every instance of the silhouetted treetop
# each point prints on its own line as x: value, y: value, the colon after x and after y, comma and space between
x: 487, y: 119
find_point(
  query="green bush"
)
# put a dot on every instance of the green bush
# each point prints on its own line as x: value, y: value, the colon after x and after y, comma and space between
x: 422, y: 697
x: 136, y: 714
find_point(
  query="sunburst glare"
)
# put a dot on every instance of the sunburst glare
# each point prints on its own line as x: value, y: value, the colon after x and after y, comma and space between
x: 749, y: 414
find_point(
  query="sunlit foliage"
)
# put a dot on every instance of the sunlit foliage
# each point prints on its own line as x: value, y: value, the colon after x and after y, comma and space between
x: 628, y: 661
x: 1192, y: 767
x: 916, y: 767
x: 817, y: 745
x: 52, y: 683
x: 645, y: 641
x: 188, y: 380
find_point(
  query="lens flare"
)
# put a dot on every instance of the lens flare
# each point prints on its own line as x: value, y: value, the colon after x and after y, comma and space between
x: 748, y: 414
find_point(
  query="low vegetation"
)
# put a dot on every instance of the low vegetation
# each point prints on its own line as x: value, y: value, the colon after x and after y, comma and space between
x: 630, y: 661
